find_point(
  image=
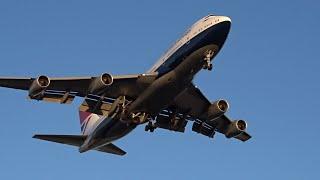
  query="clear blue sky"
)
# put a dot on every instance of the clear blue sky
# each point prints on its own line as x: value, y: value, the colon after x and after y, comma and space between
x: 268, y: 70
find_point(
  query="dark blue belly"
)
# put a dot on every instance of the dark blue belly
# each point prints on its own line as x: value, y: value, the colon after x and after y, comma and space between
x: 216, y: 34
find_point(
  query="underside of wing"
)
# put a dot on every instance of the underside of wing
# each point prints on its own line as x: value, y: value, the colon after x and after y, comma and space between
x: 188, y: 105
x: 193, y: 105
x: 63, y: 90
x: 192, y: 101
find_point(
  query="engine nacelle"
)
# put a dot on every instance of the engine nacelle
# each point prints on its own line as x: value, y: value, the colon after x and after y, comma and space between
x: 99, y: 84
x: 217, y: 109
x: 236, y: 128
x: 38, y: 87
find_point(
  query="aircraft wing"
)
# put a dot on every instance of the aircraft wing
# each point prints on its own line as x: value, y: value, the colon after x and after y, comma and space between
x: 64, y: 90
x: 193, y: 104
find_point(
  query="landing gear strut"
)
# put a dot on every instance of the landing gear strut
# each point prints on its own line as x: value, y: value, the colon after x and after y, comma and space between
x: 207, y: 59
x: 150, y: 127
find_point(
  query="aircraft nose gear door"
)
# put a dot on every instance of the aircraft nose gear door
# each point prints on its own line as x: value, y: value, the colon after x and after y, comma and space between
x: 207, y: 59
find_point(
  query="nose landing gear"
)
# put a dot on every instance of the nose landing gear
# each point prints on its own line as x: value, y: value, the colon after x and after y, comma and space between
x: 207, y: 59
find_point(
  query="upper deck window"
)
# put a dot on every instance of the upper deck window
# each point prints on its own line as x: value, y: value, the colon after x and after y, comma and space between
x: 207, y: 17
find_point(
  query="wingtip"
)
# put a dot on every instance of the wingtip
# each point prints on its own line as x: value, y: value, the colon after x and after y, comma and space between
x: 35, y: 136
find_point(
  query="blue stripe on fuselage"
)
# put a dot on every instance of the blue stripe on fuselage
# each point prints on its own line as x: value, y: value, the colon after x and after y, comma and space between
x: 214, y: 35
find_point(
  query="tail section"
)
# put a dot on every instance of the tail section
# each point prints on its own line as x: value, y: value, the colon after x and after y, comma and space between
x: 111, y: 148
x: 87, y: 121
x: 77, y: 140
x: 73, y: 140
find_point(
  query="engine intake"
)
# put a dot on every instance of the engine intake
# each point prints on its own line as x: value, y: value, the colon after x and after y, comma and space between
x: 38, y: 87
x: 236, y: 128
x: 98, y: 84
x: 217, y: 109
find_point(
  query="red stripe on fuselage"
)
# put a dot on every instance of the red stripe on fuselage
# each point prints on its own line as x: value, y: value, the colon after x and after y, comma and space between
x: 83, y: 116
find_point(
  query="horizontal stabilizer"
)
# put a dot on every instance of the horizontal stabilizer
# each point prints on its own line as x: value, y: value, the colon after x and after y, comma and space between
x: 77, y: 140
x: 111, y: 148
x: 73, y: 140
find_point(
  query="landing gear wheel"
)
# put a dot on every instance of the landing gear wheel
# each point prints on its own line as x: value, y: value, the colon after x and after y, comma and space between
x: 208, y: 66
x: 205, y: 66
x: 147, y: 128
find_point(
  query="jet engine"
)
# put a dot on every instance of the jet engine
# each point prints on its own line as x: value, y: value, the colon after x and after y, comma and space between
x: 98, y: 84
x: 217, y: 109
x: 236, y: 128
x: 38, y: 87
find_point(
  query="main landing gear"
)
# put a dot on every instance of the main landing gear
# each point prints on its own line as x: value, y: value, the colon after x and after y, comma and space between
x: 150, y: 127
x: 207, y: 59
x: 139, y: 118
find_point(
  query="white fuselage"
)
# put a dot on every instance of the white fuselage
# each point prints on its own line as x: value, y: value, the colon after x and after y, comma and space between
x: 197, y: 28
x: 176, y: 66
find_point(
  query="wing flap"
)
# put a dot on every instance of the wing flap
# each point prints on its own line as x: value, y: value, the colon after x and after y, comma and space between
x: 170, y: 122
x: 94, y: 106
x: 58, y: 97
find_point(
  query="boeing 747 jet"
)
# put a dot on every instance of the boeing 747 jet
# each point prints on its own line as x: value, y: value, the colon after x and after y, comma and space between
x: 163, y: 97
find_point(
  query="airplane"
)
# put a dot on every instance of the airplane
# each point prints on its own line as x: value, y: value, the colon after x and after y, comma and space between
x: 163, y: 97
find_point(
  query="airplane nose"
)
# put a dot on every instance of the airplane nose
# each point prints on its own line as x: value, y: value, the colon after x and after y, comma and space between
x: 221, y: 30
x: 224, y: 19
x: 224, y: 24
